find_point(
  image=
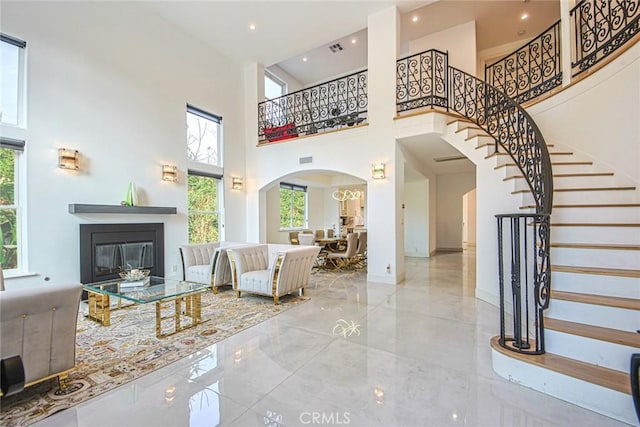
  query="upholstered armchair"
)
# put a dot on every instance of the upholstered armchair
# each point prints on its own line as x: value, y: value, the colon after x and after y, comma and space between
x: 197, y: 262
x: 38, y: 324
x: 288, y: 271
x: 207, y: 263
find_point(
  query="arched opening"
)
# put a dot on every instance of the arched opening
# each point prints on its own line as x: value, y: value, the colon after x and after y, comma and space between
x: 313, y: 200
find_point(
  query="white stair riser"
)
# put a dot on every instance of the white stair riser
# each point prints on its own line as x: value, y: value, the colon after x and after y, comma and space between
x: 587, y: 395
x: 628, y: 215
x: 594, y: 234
x: 577, y: 182
x: 591, y: 197
x: 601, y: 258
x: 469, y: 133
x: 596, y: 352
x: 597, y: 315
x: 613, y: 286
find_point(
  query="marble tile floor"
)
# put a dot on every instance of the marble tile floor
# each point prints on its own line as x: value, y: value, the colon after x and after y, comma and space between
x: 356, y: 354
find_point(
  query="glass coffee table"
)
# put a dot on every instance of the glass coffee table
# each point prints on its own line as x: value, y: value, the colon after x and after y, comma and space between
x: 163, y: 292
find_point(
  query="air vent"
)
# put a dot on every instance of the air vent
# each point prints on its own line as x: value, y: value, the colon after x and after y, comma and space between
x: 448, y: 159
x: 336, y: 47
x: 304, y: 160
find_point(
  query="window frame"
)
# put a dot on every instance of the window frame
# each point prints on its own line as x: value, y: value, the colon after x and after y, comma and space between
x: 219, y: 144
x: 277, y: 80
x: 19, y: 198
x: 219, y: 201
x: 295, y: 187
x: 21, y: 107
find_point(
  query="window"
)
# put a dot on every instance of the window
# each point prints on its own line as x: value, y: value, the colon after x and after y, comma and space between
x: 204, y: 137
x: 273, y: 86
x: 204, y: 207
x: 11, y: 80
x: 293, y: 206
x: 10, y: 218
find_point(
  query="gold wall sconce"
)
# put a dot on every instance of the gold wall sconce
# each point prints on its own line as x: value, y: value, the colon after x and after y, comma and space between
x: 377, y: 171
x: 68, y: 158
x: 237, y: 183
x: 169, y: 173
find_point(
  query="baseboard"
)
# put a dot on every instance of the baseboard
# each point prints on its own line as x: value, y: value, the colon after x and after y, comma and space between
x: 386, y: 279
x: 416, y: 255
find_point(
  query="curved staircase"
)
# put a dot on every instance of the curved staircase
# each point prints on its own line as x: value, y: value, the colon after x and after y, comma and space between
x: 593, y: 321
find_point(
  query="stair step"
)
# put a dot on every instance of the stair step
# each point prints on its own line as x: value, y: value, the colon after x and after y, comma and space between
x: 469, y: 138
x: 601, y: 205
x: 557, y: 153
x: 560, y: 190
x: 596, y: 246
x: 605, y: 377
x: 616, y: 302
x: 615, y: 336
x: 593, y: 224
x: 470, y: 127
x: 552, y: 164
x: 618, y: 272
x: 566, y: 175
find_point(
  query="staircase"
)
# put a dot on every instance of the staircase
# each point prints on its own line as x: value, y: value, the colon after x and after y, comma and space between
x: 591, y: 326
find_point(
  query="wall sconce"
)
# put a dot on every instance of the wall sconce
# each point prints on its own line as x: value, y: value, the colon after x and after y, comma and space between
x: 377, y: 171
x: 236, y: 183
x: 169, y: 173
x: 68, y: 158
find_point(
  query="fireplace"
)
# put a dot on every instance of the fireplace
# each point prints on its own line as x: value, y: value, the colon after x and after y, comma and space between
x: 108, y: 249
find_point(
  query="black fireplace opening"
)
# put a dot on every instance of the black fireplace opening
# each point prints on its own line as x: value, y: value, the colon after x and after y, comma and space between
x: 108, y: 249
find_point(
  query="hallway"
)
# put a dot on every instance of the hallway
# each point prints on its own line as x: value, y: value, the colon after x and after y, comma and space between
x: 416, y: 354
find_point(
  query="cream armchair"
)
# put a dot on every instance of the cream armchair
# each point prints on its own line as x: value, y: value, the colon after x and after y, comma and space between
x: 288, y: 271
x: 207, y: 263
x: 39, y: 325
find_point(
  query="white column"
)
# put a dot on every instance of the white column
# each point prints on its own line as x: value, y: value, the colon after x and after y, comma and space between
x: 256, y: 211
x: 385, y: 243
x: 565, y: 40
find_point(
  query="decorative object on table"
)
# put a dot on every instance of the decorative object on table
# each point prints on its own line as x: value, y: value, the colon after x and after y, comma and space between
x: 131, y: 199
x: 134, y: 277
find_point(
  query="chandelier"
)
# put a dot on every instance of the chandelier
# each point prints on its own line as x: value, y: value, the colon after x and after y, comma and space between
x: 341, y: 196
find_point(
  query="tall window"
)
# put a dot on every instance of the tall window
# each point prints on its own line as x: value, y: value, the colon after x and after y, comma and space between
x: 204, y: 136
x: 204, y: 207
x: 293, y: 206
x: 10, y: 151
x: 273, y: 86
x: 11, y: 80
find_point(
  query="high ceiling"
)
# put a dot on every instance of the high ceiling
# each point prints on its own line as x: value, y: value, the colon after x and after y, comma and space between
x: 287, y: 31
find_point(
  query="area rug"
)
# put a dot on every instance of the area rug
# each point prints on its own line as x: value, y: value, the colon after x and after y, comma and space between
x: 107, y: 357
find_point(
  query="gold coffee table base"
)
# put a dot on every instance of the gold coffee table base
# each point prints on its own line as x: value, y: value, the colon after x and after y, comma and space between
x: 100, y: 311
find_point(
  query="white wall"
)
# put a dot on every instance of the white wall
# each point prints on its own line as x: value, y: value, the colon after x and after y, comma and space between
x: 459, y: 41
x: 416, y: 218
x: 451, y: 188
x: 112, y: 81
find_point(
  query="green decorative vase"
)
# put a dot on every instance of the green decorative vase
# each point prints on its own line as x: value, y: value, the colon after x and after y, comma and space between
x: 131, y: 198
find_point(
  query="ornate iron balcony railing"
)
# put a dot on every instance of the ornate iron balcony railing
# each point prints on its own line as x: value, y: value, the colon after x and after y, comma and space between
x: 600, y: 27
x: 530, y: 71
x: 426, y: 80
x: 330, y: 105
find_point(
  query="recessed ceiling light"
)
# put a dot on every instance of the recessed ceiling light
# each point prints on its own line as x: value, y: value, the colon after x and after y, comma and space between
x: 252, y: 27
x: 521, y: 32
x: 415, y: 18
x: 304, y: 59
x: 354, y: 41
x: 524, y: 16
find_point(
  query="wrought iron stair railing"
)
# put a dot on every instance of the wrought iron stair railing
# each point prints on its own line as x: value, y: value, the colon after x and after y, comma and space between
x: 600, y: 27
x: 426, y: 80
x: 331, y: 105
x: 530, y: 71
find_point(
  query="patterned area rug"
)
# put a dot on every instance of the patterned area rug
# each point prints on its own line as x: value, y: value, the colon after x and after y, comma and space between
x: 107, y: 357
